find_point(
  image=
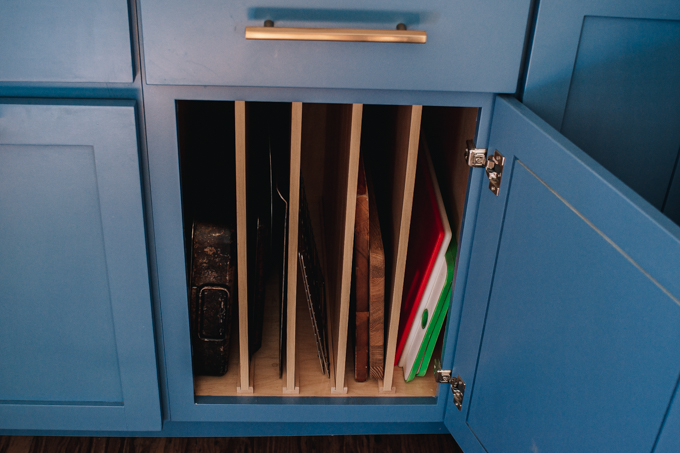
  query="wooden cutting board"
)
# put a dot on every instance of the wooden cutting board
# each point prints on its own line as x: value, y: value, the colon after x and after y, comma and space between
x: 361, y: 277
x: 376, y: 320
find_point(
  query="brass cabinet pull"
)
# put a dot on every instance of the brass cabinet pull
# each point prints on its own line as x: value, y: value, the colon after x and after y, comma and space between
x: 336, y: 34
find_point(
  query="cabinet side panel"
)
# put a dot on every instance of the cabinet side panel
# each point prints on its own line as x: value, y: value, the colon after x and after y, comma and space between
x: 672, y: 203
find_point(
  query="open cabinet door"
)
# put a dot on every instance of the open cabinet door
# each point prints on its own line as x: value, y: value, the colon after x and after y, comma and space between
x: 570, y: 331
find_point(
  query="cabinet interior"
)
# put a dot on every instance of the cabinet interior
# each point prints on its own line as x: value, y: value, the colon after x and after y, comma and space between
x: 319, y: 144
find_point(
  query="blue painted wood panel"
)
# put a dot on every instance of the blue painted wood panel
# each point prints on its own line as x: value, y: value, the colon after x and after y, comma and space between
x: 471, y: 46
x: 65, y: 41
x: 572, y: 299
x: 668, y: 438
x: 54, y: 279
x: 76, y: 334
x: 606, y: 75
x: 625, y: 97
x: 591, y: 318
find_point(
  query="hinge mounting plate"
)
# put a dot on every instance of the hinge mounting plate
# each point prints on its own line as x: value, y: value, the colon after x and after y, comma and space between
x: 477, y: 157
x: 457, y: 383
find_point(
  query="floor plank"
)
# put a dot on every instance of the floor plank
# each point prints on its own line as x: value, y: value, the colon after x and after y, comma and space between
x: 326, y: 444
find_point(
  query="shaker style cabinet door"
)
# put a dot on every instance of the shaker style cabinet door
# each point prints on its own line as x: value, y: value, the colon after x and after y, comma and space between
x: 76, y: 335
x: 65, y: 41
x: 570, y: 331
x: 606, y: 74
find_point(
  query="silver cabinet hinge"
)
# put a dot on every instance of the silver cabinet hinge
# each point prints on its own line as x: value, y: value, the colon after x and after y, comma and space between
x: 457, y: 383
x: 476, y: 157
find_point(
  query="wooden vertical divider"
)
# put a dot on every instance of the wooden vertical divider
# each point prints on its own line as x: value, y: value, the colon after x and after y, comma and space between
x: 242, y: 246
x: 293, y: 215
x: 405, y: 160
x: 340, y: 191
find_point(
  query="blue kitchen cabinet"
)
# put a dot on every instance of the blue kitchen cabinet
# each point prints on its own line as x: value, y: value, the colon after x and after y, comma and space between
x: 606, y: 75
x: 76, y: 335
x: 564, y: 317
x: 565, y: 296
x: 75, y: 41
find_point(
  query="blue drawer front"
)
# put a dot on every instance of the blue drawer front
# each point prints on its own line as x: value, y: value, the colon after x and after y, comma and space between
x: 65, y: 41
x: 471, y: 46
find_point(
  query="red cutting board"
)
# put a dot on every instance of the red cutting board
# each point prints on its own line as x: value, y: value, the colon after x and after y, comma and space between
x: 425, y: 240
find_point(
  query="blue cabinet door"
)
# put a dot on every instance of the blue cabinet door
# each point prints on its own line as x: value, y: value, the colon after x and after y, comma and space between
x: 65, y: 41
x: 606, y: 74
x: 76, y: 335
x: 569, y: 338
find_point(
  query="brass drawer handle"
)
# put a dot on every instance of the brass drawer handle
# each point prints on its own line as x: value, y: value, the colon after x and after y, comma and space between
x: 269, y: 32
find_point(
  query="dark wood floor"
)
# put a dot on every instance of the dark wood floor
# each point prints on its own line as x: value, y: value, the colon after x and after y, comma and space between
x: 325, y: 444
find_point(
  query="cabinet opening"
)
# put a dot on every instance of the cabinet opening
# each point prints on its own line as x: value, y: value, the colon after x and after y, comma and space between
x: 293, y: 182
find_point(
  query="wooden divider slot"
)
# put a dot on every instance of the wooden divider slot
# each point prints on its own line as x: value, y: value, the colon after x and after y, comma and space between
x: 207, y: 161
x: 242, y: 246
x: 293, y: 216
x: 330, y: 163
x: 391, y: 153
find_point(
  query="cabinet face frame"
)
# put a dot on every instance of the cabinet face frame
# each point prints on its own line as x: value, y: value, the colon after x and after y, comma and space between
x: 109, y: 129
x: 166, y: 203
